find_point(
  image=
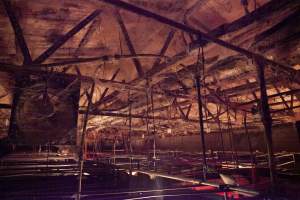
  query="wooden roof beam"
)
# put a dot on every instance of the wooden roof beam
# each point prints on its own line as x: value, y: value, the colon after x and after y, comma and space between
x: 18, y: 31
x: 98, y: 103
x: 296, y: 91
x: 283, y: 99
x: 165, y: 47
x: 61, y: 41
x: 130, y: 46
x: 260, y: 13
x: 204, y: 36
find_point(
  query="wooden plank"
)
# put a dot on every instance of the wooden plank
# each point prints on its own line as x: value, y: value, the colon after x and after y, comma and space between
x: 61, y: 41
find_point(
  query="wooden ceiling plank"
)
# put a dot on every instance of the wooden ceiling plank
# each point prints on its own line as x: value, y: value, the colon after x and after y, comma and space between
x: 252, y: 55
x: 61, y: 41
x: 260, y: 13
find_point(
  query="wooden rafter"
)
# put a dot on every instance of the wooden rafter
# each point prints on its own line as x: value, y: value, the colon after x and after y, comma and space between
x: 61, y: 41
x: 130, y: 46
x: 281, y: 96
x: 18, y: 31
x: 165, y: 46
x: 98, y: 103
x: 159, y: 18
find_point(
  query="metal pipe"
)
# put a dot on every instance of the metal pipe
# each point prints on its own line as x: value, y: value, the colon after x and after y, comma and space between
x: 197, y: 182
x: 81, y: 159
x: 147, y: 104
x: 114, y: 150
x: 232, y: 145
x: 153, y: 121
x: 130, y: 122
x: 197, y: 79
x: 249, y: 140
x: 266, y: 118
x: 222, y: 139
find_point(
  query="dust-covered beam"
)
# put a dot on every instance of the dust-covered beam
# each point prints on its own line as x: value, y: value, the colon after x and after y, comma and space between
x: 204, y: 36
x: 18, y: 31
x: 130, y: 46
x: 61, y: 41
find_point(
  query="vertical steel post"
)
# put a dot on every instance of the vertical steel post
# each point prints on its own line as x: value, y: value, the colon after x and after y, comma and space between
x: 198, y: 87
x: 130, y: 122
x: 81, y: 153
x: 153, y: 121
x: 253, y: 161
x: 129, y: 134
x: 248, y: 139
x: 234, y: 154
x: 147, y: 110
x: 222, y: 139
x: 266, y: 118
x: 114, y: 150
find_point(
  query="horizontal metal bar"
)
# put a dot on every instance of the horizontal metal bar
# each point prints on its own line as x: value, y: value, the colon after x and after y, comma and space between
x: 286, y: 163
x: 197, y: 182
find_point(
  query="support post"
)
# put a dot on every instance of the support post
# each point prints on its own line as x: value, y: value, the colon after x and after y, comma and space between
x: 154, y: 130
x: 197, y: 79
x: 266, y: 118
x: 81, y: 153
x: 234, y: 155
x: 222, y: 139
x: 130, y: 122
x: 249, y: 140
x: 253, y: 169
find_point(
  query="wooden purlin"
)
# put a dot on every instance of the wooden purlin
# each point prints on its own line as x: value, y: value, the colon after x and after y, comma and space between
x: 82, y: 142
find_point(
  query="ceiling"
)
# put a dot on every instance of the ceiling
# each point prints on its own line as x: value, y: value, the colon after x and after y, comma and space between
x: 132, y: 58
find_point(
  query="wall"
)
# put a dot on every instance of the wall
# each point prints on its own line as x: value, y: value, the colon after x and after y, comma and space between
x: 284, y: 139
